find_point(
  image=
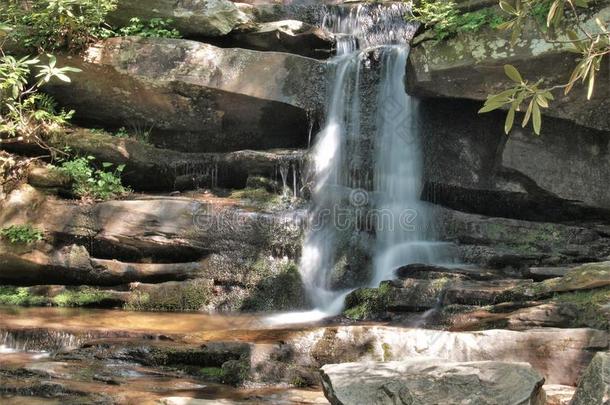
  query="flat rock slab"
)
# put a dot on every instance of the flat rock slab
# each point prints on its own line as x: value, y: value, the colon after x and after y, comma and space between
x: 433, y: 381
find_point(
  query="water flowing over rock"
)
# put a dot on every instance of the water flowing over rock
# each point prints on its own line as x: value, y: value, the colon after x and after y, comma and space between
x: 357, y: 161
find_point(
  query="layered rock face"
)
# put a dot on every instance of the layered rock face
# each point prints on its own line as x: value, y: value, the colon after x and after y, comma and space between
x: 471, y: 165
x: 196, y: 97
x: 471, y: 66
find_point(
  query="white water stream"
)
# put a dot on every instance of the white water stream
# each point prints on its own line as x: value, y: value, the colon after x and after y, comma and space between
x: 367, y: 158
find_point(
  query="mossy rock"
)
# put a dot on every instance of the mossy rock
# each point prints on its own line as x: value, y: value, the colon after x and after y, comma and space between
x: 280, y: 287
x: 589, y: 308
x: 172, y: 296
x: 367, y: 303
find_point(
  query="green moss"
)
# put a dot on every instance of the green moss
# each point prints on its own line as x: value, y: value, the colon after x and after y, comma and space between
x: 176, y: 297
x: 298, y: 381
x: 215, y: 374
x: 235, y: 372
x: 591, y: 307
x: 367, y: 303
x: 81, y: 298
x: 387, y: 351
x: 280, y: 287
x: 20, y: 296
x: 258, y: 196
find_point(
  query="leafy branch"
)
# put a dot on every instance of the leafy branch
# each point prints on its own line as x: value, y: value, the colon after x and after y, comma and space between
x: 591, y: 46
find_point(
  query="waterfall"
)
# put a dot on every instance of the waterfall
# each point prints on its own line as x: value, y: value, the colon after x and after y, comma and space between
x: 366, y: 161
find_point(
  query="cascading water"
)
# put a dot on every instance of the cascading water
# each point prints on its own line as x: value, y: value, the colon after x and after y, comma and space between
x: 366, y: 160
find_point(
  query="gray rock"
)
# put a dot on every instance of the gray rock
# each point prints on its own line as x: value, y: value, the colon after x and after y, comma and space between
x: 471, y: 66
x: 191, y: 17
x: 282, y: 36
x: 594, y: 385
x: 433, y: 381
x: 196, y: 97
x: 471, y: 165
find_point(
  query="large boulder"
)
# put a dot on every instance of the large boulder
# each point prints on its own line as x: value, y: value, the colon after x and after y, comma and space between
x: 594, y: 385
x: 282, y: 36
x: 470, y: 65
x: 560, y: 355
x: 471, y: 165
x: 191, y: 18
x: 428, y: 382
x: 195, y: 97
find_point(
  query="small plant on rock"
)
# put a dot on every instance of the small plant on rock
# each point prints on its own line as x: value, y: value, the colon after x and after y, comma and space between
x: 25, y: 234
x: 153, y: 28
x: 90, y: 182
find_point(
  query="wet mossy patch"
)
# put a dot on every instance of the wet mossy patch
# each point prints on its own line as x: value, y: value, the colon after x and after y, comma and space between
x: 590, y: 308
x: 367, y: 303
x: 172, y: 297
x: 280, y: 288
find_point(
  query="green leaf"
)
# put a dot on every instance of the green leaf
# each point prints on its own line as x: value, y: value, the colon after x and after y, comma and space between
x: 503, y: 97
x: 541, y: 101
x: 106, y: 165
x: 513, y: 73
x: 507, y: 7
x: 490, y: 107
x: 528, y: 114
x: 591, y: 84
x: 63, y: 77
x: 510, y: 119
x: 536, y: 118
x: 552, y: 12
x: 506, y: 25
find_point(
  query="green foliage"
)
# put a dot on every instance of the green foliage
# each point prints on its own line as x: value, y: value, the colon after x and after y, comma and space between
x: 138, y: 133
x: 153, y: 28
x: 121, y: 133
x: 548, y: 15
x: 445, y: 20
x: 48, y: 25
x: 24, y: 111
x: 19, y: 296
x: 21, y: 234
x: 90, y: 182
x: 515, y: 97
x: 82, y: 298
